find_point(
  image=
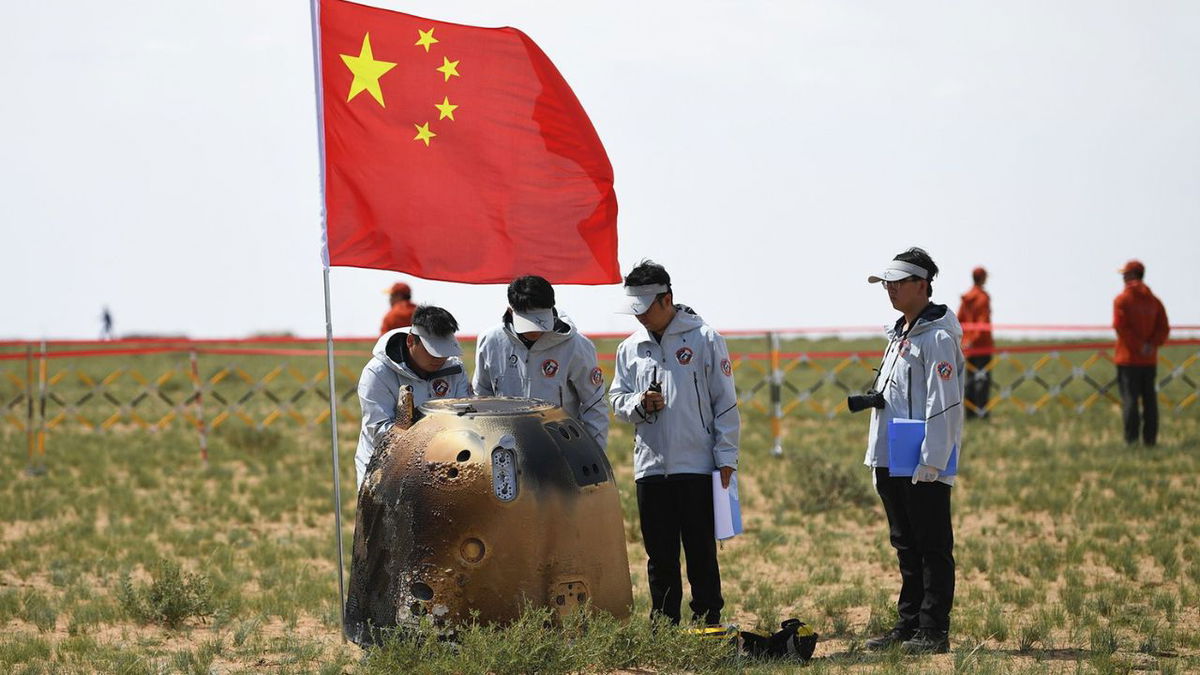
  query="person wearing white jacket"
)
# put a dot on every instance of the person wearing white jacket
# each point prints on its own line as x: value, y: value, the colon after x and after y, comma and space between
x: 921, y: 378
x: 674, y: 382
x: 425, y: 356
x: 536, y: 352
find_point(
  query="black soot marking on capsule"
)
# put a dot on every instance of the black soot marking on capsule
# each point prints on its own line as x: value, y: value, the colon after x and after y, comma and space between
x: 421, y: 591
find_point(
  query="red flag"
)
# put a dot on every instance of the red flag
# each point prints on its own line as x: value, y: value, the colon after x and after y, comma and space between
x: 458, y: 153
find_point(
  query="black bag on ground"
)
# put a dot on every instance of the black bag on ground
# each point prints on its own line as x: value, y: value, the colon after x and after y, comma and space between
x: 795, y: 640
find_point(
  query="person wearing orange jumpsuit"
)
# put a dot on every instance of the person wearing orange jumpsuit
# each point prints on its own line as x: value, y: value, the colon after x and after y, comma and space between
x: 976, y: 307
x: 400, y: 315
x: 1141, y: 324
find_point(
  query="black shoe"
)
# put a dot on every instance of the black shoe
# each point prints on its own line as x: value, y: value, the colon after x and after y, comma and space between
x: 889, y: 639
x: 927, y: 641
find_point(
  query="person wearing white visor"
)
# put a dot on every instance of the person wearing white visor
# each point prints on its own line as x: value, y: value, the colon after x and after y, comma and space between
x: 898, y: 270
x: 425, y: 356
x: 921, y: 378
x: 674, y: 383
x: 536, y: 352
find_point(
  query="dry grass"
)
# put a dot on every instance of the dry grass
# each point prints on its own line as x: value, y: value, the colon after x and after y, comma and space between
x: 1075, y: 553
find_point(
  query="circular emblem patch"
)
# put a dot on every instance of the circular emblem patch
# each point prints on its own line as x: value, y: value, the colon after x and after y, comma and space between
x: 549, y: 367
x: 726, y: 367
x: 597, y: 377
x: 684, y: 355
x: 440, y: 387
x: 945, y: 370
x: 512, y: 360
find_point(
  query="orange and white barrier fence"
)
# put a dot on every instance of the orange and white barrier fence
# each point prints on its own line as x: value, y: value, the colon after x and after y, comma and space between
x: 152, y: 384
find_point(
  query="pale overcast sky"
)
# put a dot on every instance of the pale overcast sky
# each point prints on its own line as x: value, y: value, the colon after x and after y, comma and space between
x: 160, y: 157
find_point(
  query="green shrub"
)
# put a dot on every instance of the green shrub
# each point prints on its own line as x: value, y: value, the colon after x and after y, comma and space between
x: 39, y: 610
x: 583, y: 642
x: 816, y: 486
x: 10, y: 604
x: 170, y: 598
x: 22, y: 649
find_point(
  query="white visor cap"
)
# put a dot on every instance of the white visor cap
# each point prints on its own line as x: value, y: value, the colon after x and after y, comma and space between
x: 639, y: 298
x: 897, y: 270
x: 440, y: 347
x: 533, y: 321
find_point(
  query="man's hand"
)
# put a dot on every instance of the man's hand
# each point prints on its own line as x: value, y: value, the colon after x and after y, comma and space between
x: 652, y: 401
x: 925, y: 474
x: 726, y: 474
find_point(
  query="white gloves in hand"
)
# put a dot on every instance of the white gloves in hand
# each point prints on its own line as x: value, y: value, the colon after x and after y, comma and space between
x: 925, y: 474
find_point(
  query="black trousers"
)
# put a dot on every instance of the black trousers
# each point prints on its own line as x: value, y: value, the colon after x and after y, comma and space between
x: 1137, y: 382
x: 919, y: 522
x: 979, y: 384
x: 671, y: 511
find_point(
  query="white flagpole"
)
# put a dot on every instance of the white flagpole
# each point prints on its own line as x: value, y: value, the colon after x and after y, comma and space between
x: 314, y: 10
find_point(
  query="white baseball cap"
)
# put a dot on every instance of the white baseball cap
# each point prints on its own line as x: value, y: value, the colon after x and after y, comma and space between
x: 897, y: 270
x: 533, y: 321
x: 639, y: 298
x: 441, y: 347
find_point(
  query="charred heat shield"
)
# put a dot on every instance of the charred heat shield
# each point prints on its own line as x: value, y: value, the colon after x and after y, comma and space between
x: 485, y: 505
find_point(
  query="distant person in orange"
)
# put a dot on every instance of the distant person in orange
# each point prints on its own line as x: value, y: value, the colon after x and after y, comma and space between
x: 401, y: 313
x: 976, y: 307
x: 1141, y: 324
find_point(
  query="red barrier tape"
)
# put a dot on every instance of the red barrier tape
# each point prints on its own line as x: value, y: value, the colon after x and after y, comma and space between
x: 832, y: 330
x: 1048, y: 348
x: 815, y: 355
x: 286, y: 352
x: 93, y: 352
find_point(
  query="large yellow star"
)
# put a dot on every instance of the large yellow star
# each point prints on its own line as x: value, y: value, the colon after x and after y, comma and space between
x: 367, y: 72
x: 423, y: 133
x: 426, y: 39
x: 449, y: 68
x: 445, y: 109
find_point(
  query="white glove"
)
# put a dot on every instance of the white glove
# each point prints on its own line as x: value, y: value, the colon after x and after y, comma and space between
x: 925, y: 474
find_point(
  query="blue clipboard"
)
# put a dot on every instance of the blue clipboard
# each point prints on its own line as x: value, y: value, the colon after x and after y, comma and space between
x: 904, y: 448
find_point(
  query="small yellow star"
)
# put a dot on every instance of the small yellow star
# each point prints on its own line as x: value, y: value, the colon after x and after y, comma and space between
x: 449, y: 68
x: 445, y: 108
x: 367, y: 72
x: 423, y: 133
x: 426, y: 39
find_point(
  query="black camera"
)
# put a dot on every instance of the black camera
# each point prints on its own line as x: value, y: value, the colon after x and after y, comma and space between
x: 859, y: 402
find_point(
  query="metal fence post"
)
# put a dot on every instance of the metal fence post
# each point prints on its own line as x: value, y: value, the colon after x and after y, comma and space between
x: 40, y: 466
x: 30, y: 432
x: 776, y: 395
x: 198, y: 400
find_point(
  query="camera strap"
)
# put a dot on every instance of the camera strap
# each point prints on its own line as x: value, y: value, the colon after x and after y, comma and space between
x: 899, y: 342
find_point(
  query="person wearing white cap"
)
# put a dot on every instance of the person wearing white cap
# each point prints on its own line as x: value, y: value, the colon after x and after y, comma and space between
x: 674, y: 382
x: 921, y: 378
x: 425, y: 356
x: 536, y: 352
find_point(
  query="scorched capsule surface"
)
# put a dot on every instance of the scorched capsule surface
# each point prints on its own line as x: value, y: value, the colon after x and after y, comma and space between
x: 484, y: 505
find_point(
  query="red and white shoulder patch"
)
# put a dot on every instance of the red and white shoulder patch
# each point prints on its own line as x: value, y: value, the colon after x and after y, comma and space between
x: 945, y: 370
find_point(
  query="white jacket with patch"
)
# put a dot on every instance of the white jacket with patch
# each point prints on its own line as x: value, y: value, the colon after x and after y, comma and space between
x: 698, y: 430
x: 379, y: 389
x: 560, y: 368
x: 922, y: 378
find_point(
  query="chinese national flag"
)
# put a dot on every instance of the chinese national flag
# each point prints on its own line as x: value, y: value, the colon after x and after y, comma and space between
x: 458, y: 153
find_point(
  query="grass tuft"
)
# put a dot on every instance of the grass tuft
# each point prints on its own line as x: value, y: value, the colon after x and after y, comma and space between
x: 170, y: 598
